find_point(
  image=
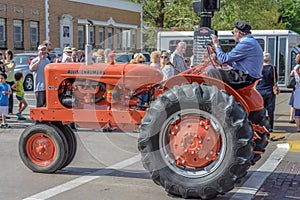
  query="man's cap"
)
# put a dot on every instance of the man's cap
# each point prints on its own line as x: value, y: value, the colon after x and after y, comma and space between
x: 41, y: 46
x: 242, y: 26
x: 68, y: 49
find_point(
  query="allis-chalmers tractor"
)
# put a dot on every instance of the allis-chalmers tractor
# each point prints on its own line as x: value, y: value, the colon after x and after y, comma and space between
x: 198, y: 136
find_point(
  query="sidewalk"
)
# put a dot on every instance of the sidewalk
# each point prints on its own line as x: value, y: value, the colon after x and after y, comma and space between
x: 284, y: 182
x: 13, y: 122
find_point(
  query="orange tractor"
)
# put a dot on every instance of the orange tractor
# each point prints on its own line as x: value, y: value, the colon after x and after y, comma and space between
x: 198, y: 136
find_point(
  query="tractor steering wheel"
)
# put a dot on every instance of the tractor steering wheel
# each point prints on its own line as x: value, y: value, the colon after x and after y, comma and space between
x: 212, y: 55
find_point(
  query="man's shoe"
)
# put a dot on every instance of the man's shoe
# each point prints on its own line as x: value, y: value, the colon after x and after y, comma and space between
x: 20, y: 116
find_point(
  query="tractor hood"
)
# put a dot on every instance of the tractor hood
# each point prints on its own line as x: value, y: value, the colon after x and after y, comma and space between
x: 130, y: 76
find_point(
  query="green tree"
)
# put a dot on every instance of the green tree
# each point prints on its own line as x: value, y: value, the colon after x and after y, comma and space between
x: 168, y: 14
x: 179, y: 15
x: 261, y: 14
x: 290, y: 14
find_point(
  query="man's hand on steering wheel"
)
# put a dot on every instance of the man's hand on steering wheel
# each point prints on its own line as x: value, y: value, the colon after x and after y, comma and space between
x: 212, y: 55
x: 215, y: 40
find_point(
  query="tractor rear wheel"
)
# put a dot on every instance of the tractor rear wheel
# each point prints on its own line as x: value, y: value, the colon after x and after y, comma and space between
x: 43, y: 148
x: 196, y: 141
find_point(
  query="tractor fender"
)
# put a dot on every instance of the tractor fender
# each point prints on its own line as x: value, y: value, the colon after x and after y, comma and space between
x: 190, y: 78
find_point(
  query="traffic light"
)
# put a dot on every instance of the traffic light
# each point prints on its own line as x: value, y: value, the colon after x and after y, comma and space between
x: 210, y: 5
x: 206, y: 5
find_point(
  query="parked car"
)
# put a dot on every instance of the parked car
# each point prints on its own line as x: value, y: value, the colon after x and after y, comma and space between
x: 23, y: 61
x: 126, y: 57
x: 54, y: 55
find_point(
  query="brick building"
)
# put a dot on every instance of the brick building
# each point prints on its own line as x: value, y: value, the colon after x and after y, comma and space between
x: 25, y: 24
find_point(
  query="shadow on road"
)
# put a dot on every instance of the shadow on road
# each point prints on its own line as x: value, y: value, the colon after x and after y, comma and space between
x: 139, y: 174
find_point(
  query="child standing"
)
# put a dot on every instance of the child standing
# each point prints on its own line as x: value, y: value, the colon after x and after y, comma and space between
x: 18, y: 87
x: 5, y: 91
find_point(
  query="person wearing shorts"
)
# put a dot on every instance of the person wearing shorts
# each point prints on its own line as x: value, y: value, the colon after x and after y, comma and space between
x: 5, y: 91
x: 19, y: 88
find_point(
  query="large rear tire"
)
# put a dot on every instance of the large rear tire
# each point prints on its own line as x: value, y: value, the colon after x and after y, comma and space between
x: 43, y: 148
x: 196, y: 141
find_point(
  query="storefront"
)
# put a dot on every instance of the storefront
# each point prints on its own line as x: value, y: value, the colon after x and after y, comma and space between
x: 25, y: 24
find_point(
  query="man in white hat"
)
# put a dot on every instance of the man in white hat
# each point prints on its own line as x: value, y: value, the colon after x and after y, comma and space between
x: 67, y: 55
x: 37, y: 67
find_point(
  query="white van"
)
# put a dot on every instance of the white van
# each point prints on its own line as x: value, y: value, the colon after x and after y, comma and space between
x: 281, y: 44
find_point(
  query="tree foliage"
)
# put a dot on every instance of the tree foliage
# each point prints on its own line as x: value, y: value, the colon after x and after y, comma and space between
x: 179, y: 15
x: 167, y: 14
x: 261, y: 14
x: 290, y: 14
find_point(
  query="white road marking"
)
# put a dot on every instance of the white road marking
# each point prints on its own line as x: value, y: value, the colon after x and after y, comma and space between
x: 245, y: 192
x: 255, y: 181
x: 82, y: 180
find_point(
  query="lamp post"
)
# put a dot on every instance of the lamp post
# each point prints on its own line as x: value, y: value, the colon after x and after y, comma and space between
x: 202, y: 37
x: 206, y: 9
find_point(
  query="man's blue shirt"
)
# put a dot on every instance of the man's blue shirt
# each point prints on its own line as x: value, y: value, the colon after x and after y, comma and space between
x: 247, y: 56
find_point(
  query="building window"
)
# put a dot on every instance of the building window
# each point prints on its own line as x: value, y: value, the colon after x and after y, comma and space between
x: 126, y: 40
x: 34, y: 35
x: 2, y: 34
x: 80, y: 37
x: 119, y: 38
x: 133, y: 33
x: 92, y: 35
x: 18, y: 35
x: 2, y: 29
x: 110, y: 38
x: 101, y: 37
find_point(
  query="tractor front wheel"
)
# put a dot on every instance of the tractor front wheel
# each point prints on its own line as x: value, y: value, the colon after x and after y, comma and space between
x: 43, y: 148
x: 71, y: 140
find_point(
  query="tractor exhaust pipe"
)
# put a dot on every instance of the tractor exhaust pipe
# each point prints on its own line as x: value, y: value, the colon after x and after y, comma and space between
x: 88, y: 46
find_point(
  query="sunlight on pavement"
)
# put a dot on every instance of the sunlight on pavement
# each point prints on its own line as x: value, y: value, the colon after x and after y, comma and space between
x: 294, y: 146
x: 280, y: 136
x: 277, y: 136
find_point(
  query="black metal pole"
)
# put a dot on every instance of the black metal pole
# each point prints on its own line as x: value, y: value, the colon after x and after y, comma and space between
x: 206, y: 19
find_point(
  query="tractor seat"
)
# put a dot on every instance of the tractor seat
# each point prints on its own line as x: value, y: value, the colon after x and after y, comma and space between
x: 248, y: 87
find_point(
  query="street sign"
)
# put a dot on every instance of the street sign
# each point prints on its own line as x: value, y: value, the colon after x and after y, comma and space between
x: 201, y: 39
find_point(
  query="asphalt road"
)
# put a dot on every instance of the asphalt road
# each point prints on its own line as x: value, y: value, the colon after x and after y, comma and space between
x: 106, y: 166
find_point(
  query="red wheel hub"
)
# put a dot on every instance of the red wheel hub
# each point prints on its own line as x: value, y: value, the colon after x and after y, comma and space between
x: 41, y: 149
x: 194, y: 142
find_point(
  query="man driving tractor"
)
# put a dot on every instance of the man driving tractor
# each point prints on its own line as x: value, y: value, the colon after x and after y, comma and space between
x: 246, y: 59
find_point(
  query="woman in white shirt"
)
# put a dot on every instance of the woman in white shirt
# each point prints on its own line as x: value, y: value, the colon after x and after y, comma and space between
x: 165, y: 65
